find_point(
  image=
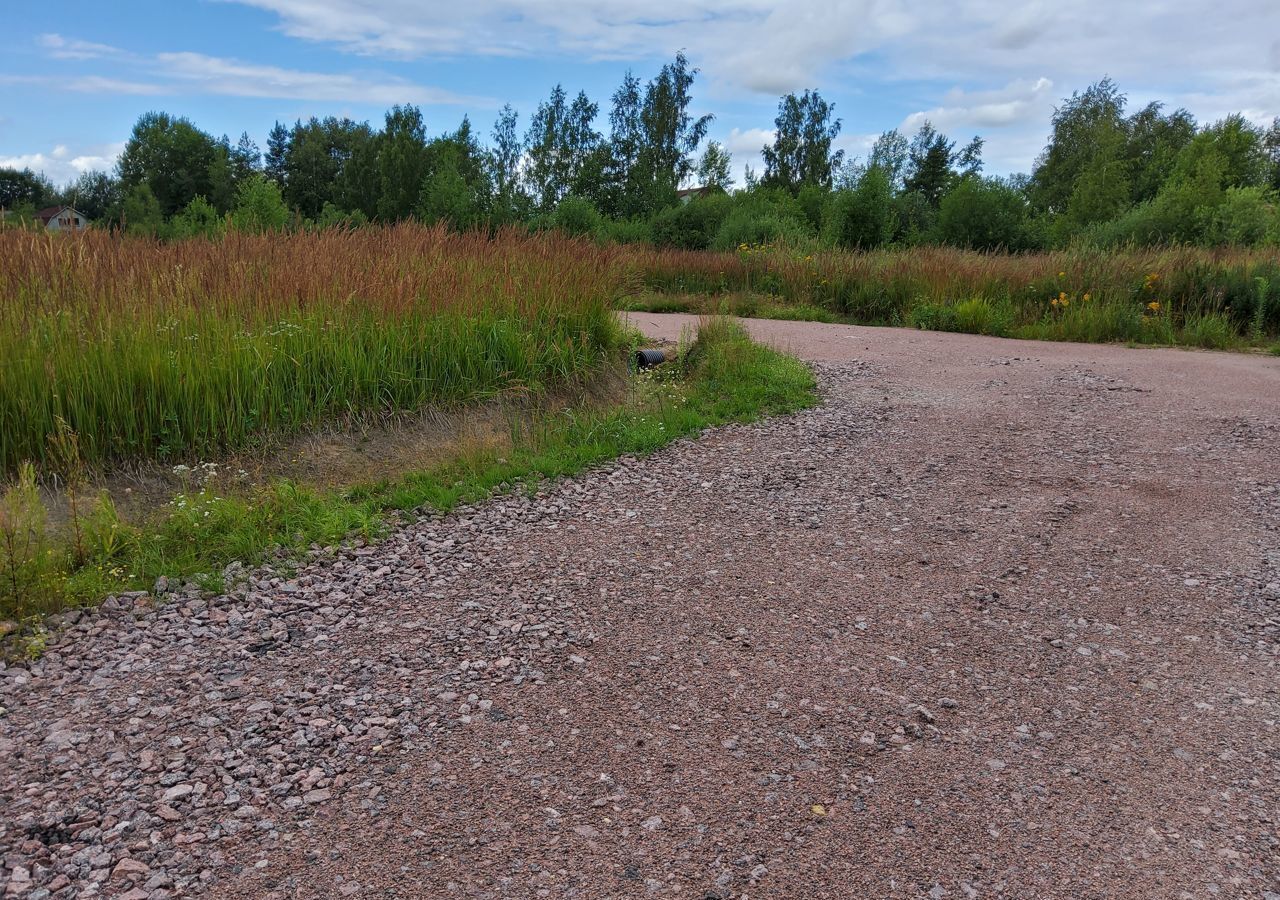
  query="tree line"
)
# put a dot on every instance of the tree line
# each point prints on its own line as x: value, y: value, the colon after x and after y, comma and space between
x: 1107, y: 176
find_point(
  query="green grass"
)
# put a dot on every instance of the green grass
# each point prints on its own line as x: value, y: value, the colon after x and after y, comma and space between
x: 196, y: 347
x: 723, y: 377
x: 1174, y: 295
x: 974, y: 316
x: 1083, y: 322
x: 744, y: 304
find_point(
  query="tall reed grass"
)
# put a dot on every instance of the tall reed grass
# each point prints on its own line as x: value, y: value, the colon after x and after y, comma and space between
x: 148, y: 349
x: 886, y: 287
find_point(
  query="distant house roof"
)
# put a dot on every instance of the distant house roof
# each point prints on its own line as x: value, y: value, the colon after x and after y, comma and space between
x: 694, y: 191
x: 52, y: 212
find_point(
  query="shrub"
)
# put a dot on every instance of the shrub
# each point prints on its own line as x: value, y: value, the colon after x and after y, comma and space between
x: 979, y: 316
x: 812, y: 201
x: 1095, y: 321
x: 331, y: 216
x: 755, y: 224
x: 1242, y: 219
x: 692, y: 225
x: 862, y: 218
x: 577, y: 216
x: 627, y: 231
x: 983, y: 214
x: 913, y: 218
x: 259, y: 207
x: 197, y: 219
x: 141, y: 213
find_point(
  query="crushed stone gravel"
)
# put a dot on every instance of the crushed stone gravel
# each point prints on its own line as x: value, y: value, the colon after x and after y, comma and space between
x: 997, y: 619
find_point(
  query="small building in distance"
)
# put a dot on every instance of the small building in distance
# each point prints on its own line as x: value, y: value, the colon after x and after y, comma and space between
x: 61, y: 218
x: 687, y: 194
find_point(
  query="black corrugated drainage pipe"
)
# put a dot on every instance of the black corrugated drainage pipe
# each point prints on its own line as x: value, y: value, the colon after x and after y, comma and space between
x: 647, y: 359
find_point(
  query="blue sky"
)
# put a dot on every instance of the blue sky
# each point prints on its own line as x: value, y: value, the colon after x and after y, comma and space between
x: 76, y: 75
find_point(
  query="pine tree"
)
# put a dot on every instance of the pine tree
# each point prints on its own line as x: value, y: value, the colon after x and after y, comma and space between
x: 277, y: 152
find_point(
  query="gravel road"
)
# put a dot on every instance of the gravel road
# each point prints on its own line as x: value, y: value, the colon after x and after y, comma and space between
x: 999, y: 619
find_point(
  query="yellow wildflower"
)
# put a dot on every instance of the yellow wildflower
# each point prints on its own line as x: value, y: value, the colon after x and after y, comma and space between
x: 1154, y: 306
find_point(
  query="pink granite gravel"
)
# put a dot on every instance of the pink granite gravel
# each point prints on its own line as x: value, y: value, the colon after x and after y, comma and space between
x: 998, y: 619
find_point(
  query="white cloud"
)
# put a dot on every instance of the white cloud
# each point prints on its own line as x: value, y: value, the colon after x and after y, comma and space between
x: 62, y: 165
x: 97, y: 84
x: 765, y: 46
x: 756, y: 44
x: 982, y: 111
x: 186, y: 73
x: 60, y: 47
x: 231, y: 77
x: 749, y: 140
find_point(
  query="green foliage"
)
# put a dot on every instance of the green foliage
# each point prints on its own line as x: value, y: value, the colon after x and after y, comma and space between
x: 929, y: 170
x: 401, y: 162
x: 333, y: 217
x: 669, y: 137
x: 510, y: 201
x: 862, y: 218
x: 28, y: 564
x: 801, y: 153
x: 1233, y: 148
x: 198, y: 219
x: 1211, y: 331
x: 890, y: 154
x: 173, y: 159
x: 1094, y: 321
x: 1085, y: 126
x: 327, y: 160
x: 577, y: 216
x: 692, y: 225
x: 627, y: 231
x: 1244, y: 218
x: 561, y: 149
x: 756, y: 223
x: 447, y: 197
x: 974, y: 316
x: 913, y: 219
x: 22, y: 187
x: 1153, y: 142
x: 259, y: 207
x: 97, y: 195
x: 1106, y: 177
x: 141, y: 213
x: 1101, y: 192
x: 983, y: 214
x: 714, y: 168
